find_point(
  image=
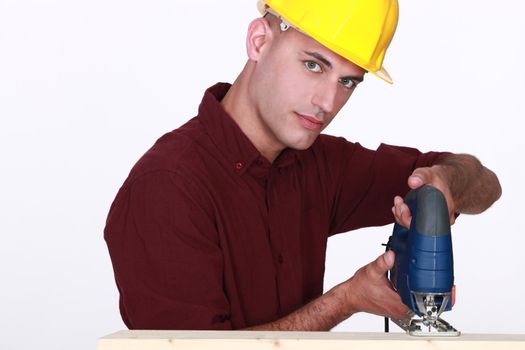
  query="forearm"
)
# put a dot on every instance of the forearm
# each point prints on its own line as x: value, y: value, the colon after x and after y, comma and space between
x: 473, y: 187
x: 367, y: 291
x: 321, y: 314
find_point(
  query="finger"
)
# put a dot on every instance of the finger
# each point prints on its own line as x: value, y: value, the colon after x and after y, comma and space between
x: 382, y: 264
x: 415, y: 181
x: 419, y: 177
x: 406, y: 215
x: 406, y: 316
x: 394, y: 206
x: 398, y: 201
x: 389, y: 258
x: 395, y: 308
x: 401, y: 212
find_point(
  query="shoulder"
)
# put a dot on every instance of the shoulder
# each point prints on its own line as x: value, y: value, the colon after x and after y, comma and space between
x: 170, y: 173
x: 180, y: 149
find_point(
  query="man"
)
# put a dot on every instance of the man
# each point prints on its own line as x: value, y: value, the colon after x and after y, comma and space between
x: 223, y: 223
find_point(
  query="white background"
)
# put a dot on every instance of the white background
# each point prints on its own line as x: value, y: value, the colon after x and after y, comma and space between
x: 86, y: 87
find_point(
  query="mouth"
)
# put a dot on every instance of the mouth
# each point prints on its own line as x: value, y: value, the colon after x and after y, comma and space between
x: 310, y: 122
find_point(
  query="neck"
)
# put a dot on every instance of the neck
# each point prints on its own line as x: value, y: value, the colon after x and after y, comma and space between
x: 243, y: 110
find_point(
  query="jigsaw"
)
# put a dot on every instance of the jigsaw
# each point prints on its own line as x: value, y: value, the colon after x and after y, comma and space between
x: 423, y: 273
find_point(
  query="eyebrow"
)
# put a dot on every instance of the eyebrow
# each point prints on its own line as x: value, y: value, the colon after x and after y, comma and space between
x: 327, y: 63
x: 320, y: 58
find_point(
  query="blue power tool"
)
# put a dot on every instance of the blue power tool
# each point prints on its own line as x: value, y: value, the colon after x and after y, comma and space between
x: 423, y: 273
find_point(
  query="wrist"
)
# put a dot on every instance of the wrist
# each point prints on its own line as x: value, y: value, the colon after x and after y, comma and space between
x: 345, y: 298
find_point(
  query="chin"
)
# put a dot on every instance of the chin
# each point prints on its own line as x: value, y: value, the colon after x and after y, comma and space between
x: 302, y: 144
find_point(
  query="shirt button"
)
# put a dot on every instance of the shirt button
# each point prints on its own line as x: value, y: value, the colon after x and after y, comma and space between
x: 280, y: 259
x: 238, y: 165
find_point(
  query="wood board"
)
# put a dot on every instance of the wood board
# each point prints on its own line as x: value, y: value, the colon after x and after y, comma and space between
x: 249, y: 340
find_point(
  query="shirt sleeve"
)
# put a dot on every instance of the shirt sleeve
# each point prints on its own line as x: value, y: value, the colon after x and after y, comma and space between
x: 366, y: 182
x: 166, y: 256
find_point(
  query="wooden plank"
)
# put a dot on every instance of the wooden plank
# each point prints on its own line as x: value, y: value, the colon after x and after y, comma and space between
x: 247, y: 340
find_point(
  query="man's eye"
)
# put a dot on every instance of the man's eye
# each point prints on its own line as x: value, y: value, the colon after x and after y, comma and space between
x: 312, y: 66
x: 348, y: 83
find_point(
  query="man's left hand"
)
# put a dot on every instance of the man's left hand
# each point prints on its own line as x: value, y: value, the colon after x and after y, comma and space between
x: 421, y: 176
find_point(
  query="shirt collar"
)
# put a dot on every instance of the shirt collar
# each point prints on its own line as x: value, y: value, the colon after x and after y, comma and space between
x: 228, y: 136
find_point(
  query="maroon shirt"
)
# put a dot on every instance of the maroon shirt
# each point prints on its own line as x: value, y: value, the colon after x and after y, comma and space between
x: 205, y: 233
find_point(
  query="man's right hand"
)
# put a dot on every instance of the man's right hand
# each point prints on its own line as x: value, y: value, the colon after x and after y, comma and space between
x: 370, y: 291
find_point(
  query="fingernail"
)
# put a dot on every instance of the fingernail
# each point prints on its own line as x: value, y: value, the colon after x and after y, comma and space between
x: 416, y: 178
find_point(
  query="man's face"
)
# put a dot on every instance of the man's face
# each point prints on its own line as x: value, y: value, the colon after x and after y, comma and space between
x: 298, y: 87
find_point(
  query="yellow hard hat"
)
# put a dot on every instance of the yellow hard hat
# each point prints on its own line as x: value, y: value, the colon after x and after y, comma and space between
x: 358, y: 30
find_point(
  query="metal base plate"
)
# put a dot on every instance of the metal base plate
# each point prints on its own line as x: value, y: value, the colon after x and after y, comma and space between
x: 424, y: 328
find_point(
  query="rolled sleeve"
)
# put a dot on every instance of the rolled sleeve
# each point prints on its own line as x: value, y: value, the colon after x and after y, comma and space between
x: 369, y: 182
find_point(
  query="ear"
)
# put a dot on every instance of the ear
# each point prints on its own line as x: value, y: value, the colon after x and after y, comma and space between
x: 258, y: 37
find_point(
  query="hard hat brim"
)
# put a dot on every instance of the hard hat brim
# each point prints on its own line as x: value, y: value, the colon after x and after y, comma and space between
x: 383, y: 74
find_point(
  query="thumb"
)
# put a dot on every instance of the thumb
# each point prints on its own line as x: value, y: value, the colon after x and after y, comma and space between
x: 383, y: 263
x: 389, y: 258
x: 415, y: 181
x: 419, y: 177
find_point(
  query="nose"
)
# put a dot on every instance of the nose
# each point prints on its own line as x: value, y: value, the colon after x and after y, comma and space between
x: 325, y: 96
